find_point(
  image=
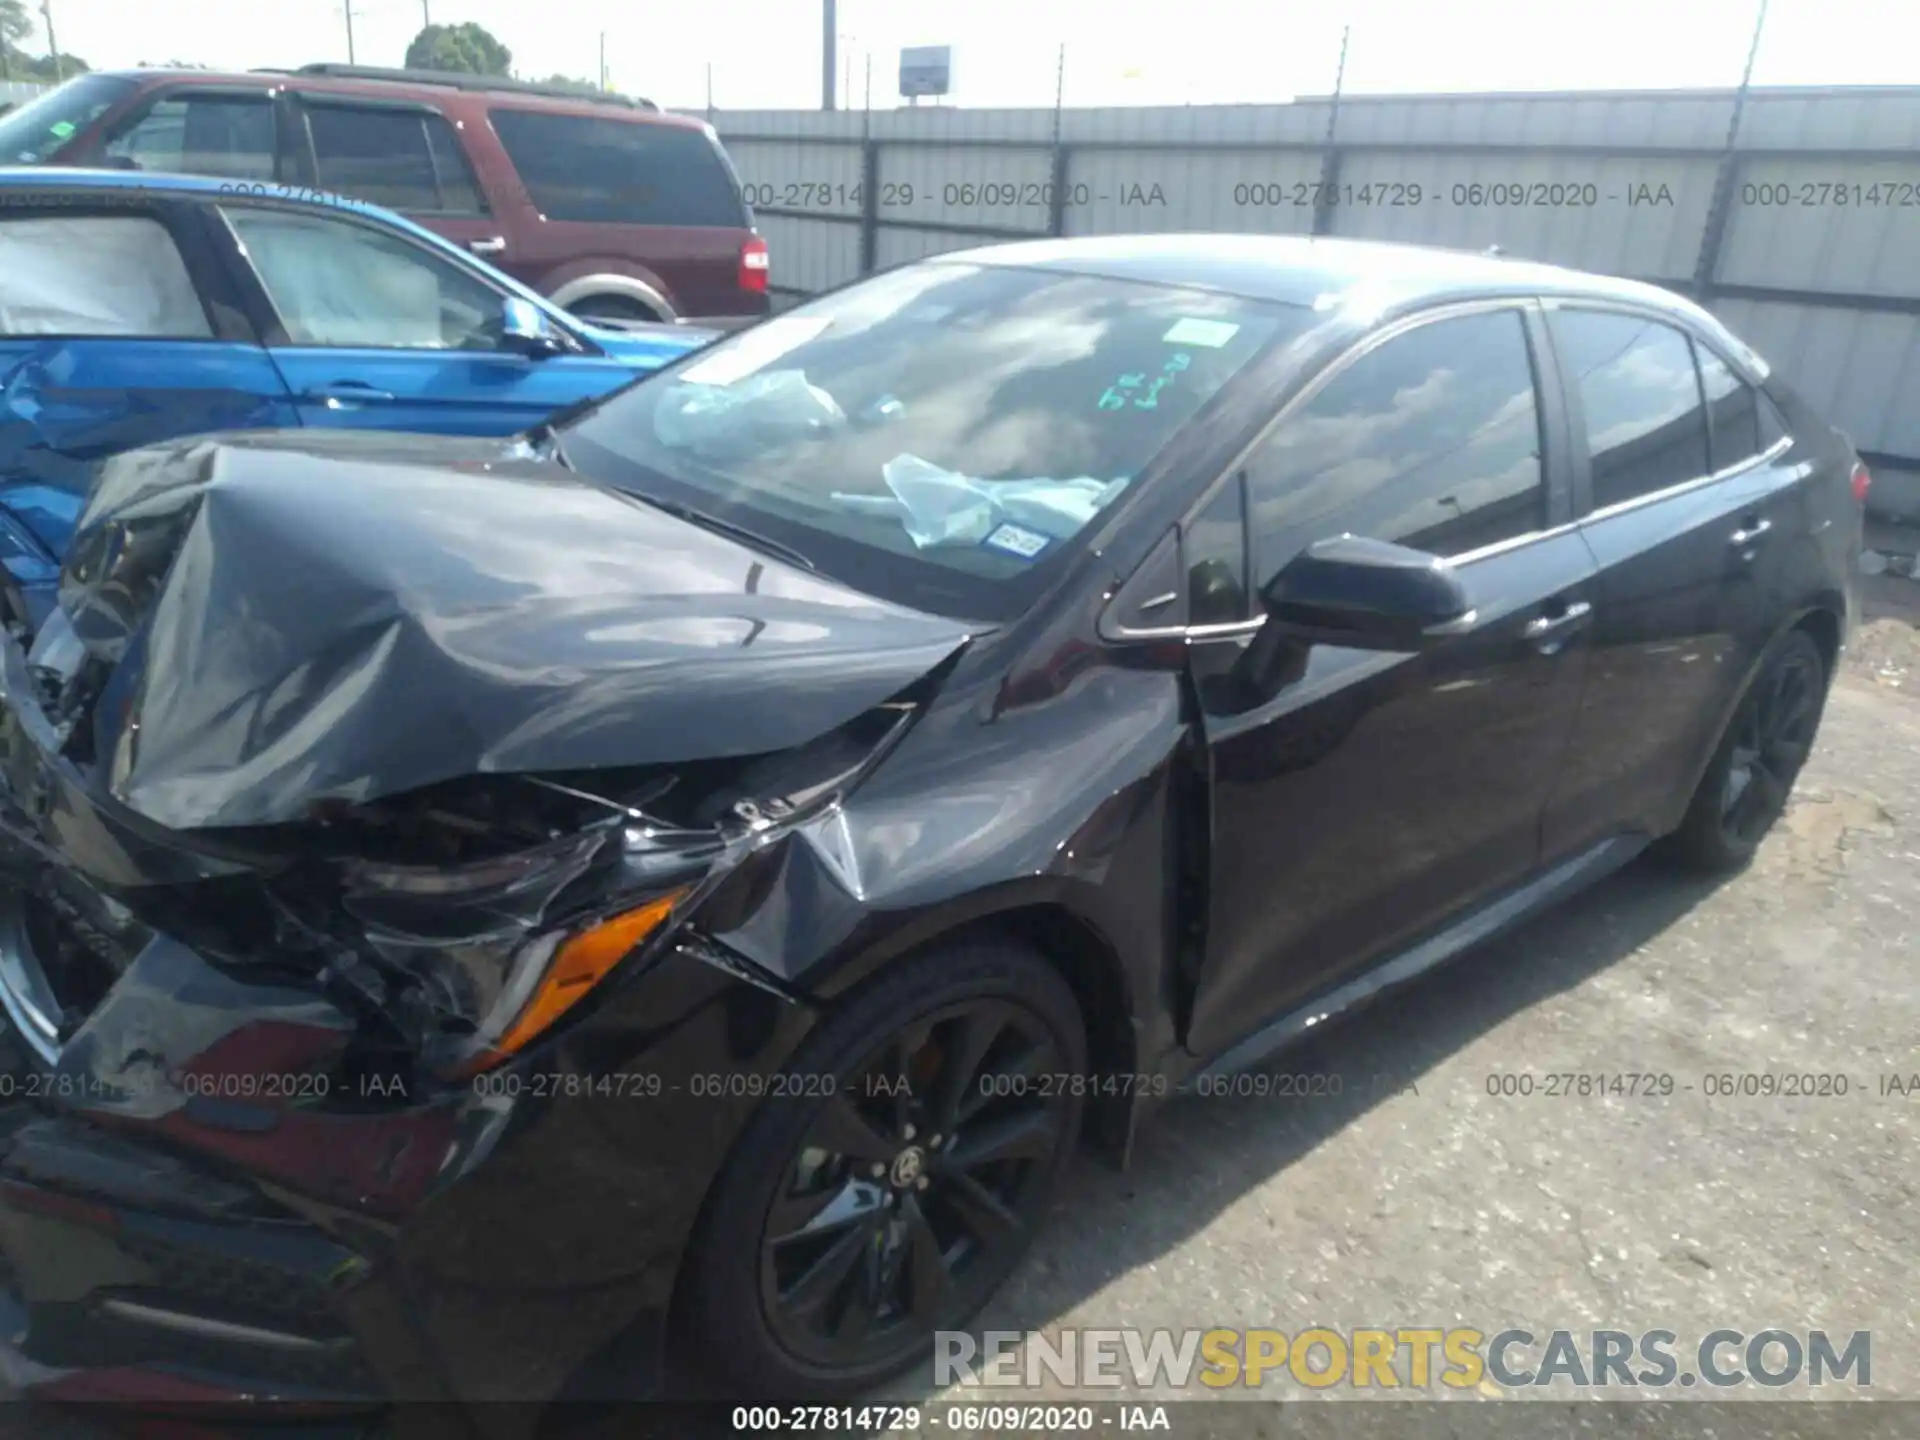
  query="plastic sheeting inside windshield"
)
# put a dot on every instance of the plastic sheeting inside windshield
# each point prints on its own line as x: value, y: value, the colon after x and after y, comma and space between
x: 941, y: 507
x: 719, y: 417
x: 935, y: 505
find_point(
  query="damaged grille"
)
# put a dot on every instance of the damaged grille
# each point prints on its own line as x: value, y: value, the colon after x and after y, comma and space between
x: 335, y: 1369
x: 203, y: 1280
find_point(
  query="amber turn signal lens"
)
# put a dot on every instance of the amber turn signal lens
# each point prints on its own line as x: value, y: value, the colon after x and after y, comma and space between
x: 583, y: 962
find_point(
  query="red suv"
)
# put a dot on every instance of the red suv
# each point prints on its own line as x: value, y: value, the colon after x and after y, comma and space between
x: 606, y: 204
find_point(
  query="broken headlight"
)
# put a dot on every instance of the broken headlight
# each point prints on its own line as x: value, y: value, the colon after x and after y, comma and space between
x: 492, y: 953
x: 497, y: 946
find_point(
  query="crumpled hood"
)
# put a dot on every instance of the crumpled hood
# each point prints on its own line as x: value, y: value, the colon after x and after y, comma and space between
x: 287, y: 618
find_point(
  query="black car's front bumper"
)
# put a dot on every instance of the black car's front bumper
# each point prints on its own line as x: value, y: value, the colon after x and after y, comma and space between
x: 517, y: 1240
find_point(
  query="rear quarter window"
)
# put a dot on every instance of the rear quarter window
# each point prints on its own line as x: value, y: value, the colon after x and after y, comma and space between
x: 118, y: 276
x: 624, y: 172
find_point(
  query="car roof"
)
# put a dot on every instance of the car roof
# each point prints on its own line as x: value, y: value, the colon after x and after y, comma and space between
x: 1307, y: 269
x: 401, y: 85
x: 121, y: 182
x: 1365, y: 279
x: 74, y: 177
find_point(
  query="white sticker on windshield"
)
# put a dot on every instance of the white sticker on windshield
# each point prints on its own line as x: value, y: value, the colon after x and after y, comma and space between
x: 1017, y: 540
x: 1210, y: 333
x: 753, y: 350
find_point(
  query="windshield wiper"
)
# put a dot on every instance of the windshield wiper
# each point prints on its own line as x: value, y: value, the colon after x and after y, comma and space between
x: 546, y: 437
x: 730, y: 528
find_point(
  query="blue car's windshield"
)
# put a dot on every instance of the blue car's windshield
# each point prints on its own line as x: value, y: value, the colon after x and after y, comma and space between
x: 938, y: 434
x: 31, y: 134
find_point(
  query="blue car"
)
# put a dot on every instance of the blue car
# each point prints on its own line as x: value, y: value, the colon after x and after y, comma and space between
x: 135, y: 308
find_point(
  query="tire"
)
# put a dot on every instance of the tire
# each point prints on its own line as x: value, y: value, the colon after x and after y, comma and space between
x: 741, y: 1271
x: 1708, y: 840
x: 611, y: 307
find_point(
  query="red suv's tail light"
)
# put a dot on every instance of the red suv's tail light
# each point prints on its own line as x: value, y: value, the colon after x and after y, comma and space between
x: 1862, y: 482
x: 754, y: 263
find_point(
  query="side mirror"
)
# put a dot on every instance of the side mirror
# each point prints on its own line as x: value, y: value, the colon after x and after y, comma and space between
x: 525, y: 331
x: 1368, y: 594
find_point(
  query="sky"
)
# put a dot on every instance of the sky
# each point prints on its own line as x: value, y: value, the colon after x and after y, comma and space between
x: 766, y: 54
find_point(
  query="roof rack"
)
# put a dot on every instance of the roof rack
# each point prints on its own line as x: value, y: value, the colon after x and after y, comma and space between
x: 461, y: 80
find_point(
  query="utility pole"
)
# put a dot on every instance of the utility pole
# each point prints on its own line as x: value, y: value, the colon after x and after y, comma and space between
x: 828, y: 36
x: 603, y: 60
x: 1720, y: 206
x: 426, y: 12
x: 1323, y: 208
x: 53, y: 45
x: 346, y: 8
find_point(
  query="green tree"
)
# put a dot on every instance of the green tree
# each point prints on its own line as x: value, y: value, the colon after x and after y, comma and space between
x: 15, y: 25
x: 567, y: 82
x: 39, y: 69
x: 468, y: 48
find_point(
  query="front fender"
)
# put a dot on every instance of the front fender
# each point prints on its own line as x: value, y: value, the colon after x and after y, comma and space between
x: 987, y: 811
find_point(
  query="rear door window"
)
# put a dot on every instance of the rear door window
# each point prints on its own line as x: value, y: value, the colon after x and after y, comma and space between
x: 229, y: 135
x: 402, y: 159
x: 95, y: 275
x: 1646, y: 428
x: 625, y: 172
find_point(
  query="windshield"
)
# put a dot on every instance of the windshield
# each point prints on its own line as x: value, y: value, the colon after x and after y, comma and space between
x: 44, y: 124
x: 938, y: 435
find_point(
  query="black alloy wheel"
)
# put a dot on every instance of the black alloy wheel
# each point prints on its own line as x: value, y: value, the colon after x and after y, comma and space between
x: 912, y: 1183
x: 894, y: 1206
x: 1746, y: 785
x: 1773, y: 736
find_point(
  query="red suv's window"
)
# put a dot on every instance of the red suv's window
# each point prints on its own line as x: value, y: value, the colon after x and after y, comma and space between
x: 623, y: 172
x: 399, y: 158
x: 198, y: 134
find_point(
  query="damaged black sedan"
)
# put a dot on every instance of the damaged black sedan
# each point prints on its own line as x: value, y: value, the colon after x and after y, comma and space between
x: 665, y: 894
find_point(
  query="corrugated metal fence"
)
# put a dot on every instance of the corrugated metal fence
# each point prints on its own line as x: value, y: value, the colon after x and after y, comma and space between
x: 1795, y: 216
